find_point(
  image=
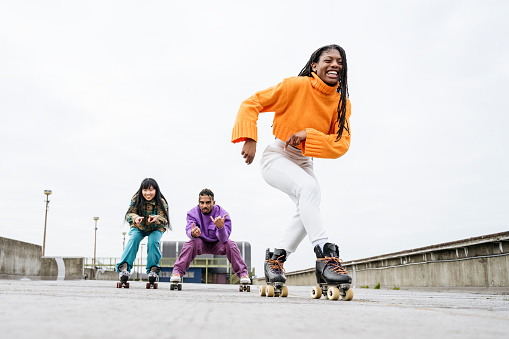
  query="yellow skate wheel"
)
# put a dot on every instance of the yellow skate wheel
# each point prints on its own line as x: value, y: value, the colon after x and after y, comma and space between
x: 284, y: 291
x: 333, y: 293
x: 316, y: 292
x: 348, y: 295
x: 262, y: 290
x: 269, y: 292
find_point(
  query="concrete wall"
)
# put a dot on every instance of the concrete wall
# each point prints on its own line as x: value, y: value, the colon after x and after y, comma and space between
x: 19, y: 259
x: 60, y: 268
x: 101, y: 274
x: 475, y: 262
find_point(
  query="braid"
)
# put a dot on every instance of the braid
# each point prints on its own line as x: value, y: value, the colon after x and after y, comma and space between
x: 342, y: 85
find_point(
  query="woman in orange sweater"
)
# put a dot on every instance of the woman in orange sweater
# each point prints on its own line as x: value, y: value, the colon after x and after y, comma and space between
x: 311, y: 119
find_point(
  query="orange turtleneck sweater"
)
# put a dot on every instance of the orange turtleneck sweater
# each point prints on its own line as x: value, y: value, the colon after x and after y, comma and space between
x: 299, y: 103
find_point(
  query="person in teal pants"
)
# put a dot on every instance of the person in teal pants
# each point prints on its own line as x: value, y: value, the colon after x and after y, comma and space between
x: 148, y: 217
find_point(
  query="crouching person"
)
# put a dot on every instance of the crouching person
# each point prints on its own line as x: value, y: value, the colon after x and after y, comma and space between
x: 209, y: 228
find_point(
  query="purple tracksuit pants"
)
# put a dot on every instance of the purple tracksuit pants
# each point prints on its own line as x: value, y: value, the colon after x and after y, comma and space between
x: 197, y: 246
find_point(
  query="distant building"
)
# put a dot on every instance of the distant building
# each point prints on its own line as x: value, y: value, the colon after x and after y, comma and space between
x: 205, y: 268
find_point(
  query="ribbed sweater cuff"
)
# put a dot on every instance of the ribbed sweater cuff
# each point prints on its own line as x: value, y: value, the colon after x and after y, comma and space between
x: 313, y: 145
x: 243, y: 131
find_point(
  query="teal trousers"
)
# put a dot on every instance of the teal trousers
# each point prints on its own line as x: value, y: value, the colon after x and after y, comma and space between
x: 131, y: 249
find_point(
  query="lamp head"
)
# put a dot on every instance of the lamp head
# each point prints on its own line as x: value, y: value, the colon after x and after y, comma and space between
x: 47, y: 192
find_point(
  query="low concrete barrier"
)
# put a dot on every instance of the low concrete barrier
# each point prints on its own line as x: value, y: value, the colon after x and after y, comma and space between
x: 61, y: 268
x: 101, y: 274
x: 19, y: 259
x: 480, y: 262
x: 475, y: 262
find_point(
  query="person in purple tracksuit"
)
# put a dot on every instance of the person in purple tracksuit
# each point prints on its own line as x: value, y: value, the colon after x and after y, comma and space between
x: 209, y: 227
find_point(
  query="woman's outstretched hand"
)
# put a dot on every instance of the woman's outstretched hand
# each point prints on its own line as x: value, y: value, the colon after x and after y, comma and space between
x: 249, y: 150
x: 296, y: 138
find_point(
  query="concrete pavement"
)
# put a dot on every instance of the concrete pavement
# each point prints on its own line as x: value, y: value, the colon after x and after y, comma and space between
x: 97, y: 309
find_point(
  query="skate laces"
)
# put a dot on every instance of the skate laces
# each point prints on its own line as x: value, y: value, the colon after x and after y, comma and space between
x: 335, y: 264
x: 276, y: 265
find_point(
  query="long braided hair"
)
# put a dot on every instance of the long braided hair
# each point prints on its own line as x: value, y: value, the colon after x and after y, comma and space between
x: 139, y: 200
x: 342, y: 85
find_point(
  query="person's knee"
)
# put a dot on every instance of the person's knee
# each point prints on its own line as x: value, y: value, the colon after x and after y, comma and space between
x: 196, y: 241
x: 153, y: 243
x: 135, y: 235
x: 194, y: 244
x: 231, y: 245
x: 309, y: 189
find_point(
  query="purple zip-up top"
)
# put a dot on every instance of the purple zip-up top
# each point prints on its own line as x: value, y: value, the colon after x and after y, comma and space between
x: 209, y: 231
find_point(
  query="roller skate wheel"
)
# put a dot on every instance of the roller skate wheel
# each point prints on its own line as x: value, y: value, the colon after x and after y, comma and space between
x: 316, y: 292
x: 348, y: 295
x: 263, y: 288
x: 333, y: 293
x: 240, y: 289
x: 179, y: 287
x: 147, y: 286
x: 126, y: 285
x: 284, y: 291
x: 156, y: 285
x: 269, y: 292
x: 119, y: 285
x: 248, y: 288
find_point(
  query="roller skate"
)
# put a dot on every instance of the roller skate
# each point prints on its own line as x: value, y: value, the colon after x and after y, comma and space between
x: 274, y: 274
x: 175, y: 282
x: 332, y: 279
x: 152, y: 277
x: 244, y: 283
x: 123, y: 275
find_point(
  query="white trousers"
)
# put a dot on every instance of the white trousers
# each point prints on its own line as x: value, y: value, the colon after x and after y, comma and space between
x: 292, y: 173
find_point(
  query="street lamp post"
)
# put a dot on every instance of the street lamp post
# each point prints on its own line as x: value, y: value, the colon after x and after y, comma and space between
x: 47, y: 192
x: 95, y: 242
x: 123, y: 244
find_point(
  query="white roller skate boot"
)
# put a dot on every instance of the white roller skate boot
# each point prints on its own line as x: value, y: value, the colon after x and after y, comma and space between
x: 175, y: 282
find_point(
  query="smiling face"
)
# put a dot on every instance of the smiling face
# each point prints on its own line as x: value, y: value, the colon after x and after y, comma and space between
x: 149, y: 193
x: 329, y: 67
x: 206, y: 204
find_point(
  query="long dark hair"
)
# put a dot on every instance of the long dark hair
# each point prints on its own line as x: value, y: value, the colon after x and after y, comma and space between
x: 139, y: 199
x: 342, y: 85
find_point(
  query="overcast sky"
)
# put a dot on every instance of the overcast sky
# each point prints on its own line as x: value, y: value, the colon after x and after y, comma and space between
x: 95, y: 96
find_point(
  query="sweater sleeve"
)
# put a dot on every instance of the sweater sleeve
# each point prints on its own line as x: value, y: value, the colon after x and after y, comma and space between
x: 269, y: 100
x: 131, y: 215
x: 161, y: 219
x: 190, y: 220
x: 223, y: 234
x: 321, y: 145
